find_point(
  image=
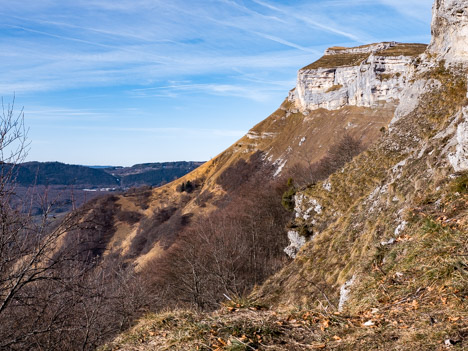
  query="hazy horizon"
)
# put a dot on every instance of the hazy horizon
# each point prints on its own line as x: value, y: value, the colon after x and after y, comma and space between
x: 110, y: 166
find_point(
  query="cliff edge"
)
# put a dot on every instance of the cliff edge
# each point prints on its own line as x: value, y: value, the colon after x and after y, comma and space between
x: 363, y: 76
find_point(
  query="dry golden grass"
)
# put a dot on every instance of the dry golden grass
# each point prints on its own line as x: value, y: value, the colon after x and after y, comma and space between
x: 335, y: 88
x: 339, y: 48
x: 412, y: 50
x: 430, y: 254
x: 338, y: 60
x: 343, y: 59
x: 321, y: 128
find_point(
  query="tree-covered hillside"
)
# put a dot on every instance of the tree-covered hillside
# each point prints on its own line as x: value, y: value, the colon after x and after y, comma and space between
x: 57, y: 173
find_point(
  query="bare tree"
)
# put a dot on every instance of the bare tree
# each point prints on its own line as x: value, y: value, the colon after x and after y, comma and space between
x: 14, y: 243
x: 226, y: 253
x: 56, y: 290
x: 336, y: 157
x: 30, y: 252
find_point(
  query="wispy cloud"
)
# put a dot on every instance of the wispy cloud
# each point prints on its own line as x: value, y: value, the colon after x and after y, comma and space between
x: 253, y: 12
x: 34, y: 68
x: 285, y: 42
x: 255, y: 92
x: 183, y: 131
x: 309, y: 20
x: 159, y: 131
x: 62, y: 37
x: 44, y: 113
x: 416, y: 9
x: 66, y: 48
x: 165, y: 58
x: 121, y: 32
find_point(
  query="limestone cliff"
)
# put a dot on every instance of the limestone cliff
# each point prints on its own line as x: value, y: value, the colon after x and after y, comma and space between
x: 450, y: 30
x: 363, y: 76
x: 393, y: 208
x: 421, y: 77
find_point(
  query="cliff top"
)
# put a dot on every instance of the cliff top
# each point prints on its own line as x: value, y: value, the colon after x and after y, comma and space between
x: 341, y: 57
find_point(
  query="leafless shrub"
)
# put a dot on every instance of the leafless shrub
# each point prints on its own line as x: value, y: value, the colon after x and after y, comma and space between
x: 339, y: 154
x: 53, y: 293
x: 129, y: 217
x: 226, y: 253
x: 241, y: 172
x: 141, y: 196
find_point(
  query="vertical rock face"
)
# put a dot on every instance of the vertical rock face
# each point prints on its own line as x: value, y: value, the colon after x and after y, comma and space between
x: 459, y: 158
x: 363, y: 76
x: 450, y: 30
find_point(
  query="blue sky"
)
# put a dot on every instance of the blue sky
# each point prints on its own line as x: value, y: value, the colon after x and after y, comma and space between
x: 120, y: 82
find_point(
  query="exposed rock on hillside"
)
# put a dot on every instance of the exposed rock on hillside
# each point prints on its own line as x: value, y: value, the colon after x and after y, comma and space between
x: 459, y: 158
x: 371, y: 197
x: 450, y: 30
x: 362, y: 76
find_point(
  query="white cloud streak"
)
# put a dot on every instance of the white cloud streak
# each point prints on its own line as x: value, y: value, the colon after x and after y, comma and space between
x: 416, y: 9
x: 285, y: 42
x: 258, y: 92
x: 108, y: 43
x: 335, y: 28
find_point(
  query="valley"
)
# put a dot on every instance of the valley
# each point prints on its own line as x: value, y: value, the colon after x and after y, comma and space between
x: 59, y: 188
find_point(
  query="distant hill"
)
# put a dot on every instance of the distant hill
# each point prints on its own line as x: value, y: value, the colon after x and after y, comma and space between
x: 68, y: 187
x: 153, y: 174
x: 57, y: 173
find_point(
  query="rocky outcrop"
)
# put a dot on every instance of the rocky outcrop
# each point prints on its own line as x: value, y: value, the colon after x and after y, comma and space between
x: 364, y: 49
x: 363, y: 76
x: 381, y: 73
x: 296, y: 241
x: 370, y: 202
x: 450, y: 30
x: 459, y: 158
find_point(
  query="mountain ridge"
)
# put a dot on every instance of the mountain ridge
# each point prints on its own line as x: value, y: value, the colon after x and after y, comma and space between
x: 57, y: 173
x: 68, y: 187
x: 380, y: 245
x: 292, y: 137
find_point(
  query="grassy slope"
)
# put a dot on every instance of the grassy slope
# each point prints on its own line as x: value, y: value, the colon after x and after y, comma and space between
x: 427, y: 265
x: 285, y: 138
x: 277, y: 137
x: 410, y: 295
